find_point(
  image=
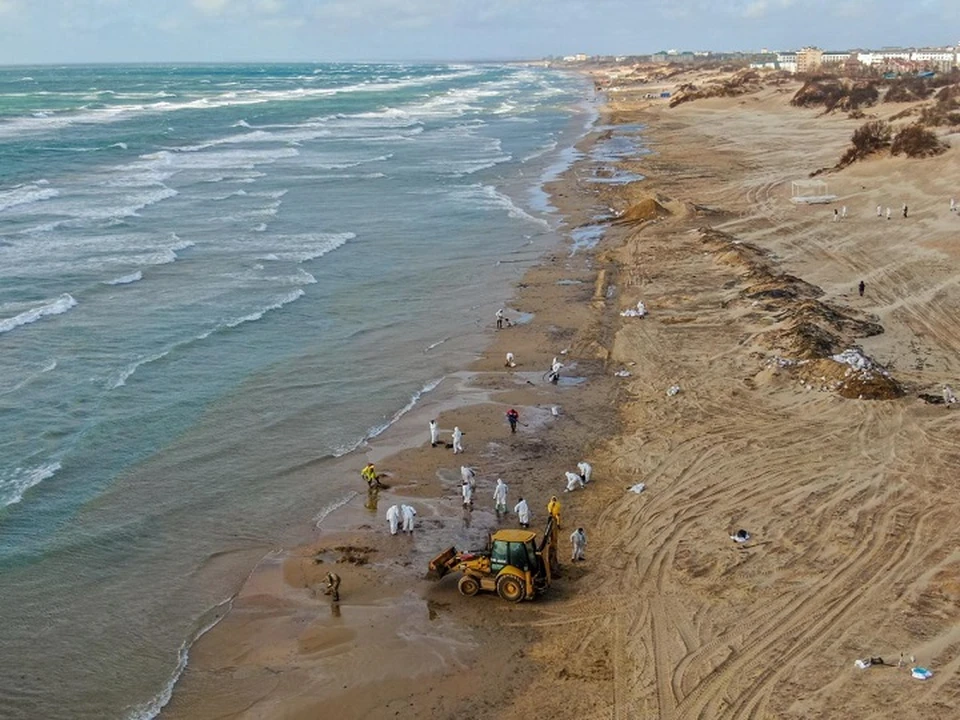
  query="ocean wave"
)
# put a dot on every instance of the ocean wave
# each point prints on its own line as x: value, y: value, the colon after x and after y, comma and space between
x: 431, y: 346
x: 126, y: 279
x: 152, y: 708
x: 50, y: 307
x: 121, y: 145
x: 488, y: 197
x: 332, y: 507
x: 120, y: 379
x: 125, y: 374
x: 121, y: 112
x: 25, y: 195
x: 46, y: 367
x: 310, y: 246
x: 17, y: 482
x: 411, y: 404
x: 254, y: 316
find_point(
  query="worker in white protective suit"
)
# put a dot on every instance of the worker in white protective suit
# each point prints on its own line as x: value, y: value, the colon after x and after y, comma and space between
x: 574, y: 482
x: 408, y: 514
x: 523, y: 513
x: 434, y: 433
x: 579, y: 540
x: 466, y: 490
x: 510, y: 360
x: 555, y: 368
x: 468, y: 476
x: 393, y: 517
x: 585, y: 469
x: 500, y: 497
x: 457, y: 441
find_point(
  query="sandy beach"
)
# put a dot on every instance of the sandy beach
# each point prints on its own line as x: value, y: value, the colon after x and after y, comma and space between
x: 849, y: 501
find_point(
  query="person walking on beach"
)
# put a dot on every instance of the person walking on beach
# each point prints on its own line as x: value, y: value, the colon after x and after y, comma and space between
x: 513, y: 417
x: 500, y: 319
x: 333, y: 586
x: 574, y: 481
x: 510, y: 360
x: 408, y: 514
x: 836, y: 215
x: 579, y: 541
x: 843, y: 212
x: 393, y: 518
x: 466, y: 492
x: 861, y: 287
x: 879, y: 211
x: 553, y: 509
x: 953, y: 204
x: 457, y: 440
x: 468, y: 476
x: 904, y: 209
x: 434, y: 434
x: 585, y: 469
x: 500, y: 497
x: 888, y: 213
x: 523, y: 513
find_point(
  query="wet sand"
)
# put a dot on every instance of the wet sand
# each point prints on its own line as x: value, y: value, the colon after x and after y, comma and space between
x: 851, y: 503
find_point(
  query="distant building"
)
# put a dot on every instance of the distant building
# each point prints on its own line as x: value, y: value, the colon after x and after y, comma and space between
x: 787, y: 62
x: 579, y: 57
x: 834, y: 58
x: 809, y: 60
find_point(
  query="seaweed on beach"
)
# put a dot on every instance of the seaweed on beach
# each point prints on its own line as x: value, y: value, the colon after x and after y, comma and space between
x: 809, y: 332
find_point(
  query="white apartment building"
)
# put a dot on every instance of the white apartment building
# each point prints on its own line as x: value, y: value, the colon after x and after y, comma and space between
x: 834, y: 58
x: 787, y: 61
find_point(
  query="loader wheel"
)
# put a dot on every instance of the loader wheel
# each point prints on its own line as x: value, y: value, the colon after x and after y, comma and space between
x: 468, y: 586
x: 510, y: 588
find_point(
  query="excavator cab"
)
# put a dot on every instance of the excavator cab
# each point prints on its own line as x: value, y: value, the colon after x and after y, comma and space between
x: 513, y: 566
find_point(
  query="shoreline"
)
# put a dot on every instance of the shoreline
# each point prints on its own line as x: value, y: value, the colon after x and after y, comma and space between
x: 348, y: 519
x: 852, y: 550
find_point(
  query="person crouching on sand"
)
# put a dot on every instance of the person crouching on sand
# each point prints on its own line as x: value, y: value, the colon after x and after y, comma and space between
x: 369, y: 473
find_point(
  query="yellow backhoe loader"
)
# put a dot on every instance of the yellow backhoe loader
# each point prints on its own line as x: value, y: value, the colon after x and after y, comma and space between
x: 513, y: 565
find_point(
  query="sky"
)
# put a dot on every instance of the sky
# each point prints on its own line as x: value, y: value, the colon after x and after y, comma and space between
x: 93, y: 31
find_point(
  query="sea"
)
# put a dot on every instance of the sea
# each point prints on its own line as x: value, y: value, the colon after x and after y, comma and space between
x: 214, y: 280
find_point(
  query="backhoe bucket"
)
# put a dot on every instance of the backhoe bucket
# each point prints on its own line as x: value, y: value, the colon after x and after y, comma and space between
x: 442, y: 564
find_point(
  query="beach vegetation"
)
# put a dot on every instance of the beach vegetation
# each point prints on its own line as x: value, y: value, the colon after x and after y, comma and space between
x: 908, y: 89
x: 869, y: 138
x: 832, y: 93
x: 916, y: 141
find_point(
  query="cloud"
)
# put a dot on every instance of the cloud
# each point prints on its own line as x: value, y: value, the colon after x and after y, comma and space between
x: 211, y: 7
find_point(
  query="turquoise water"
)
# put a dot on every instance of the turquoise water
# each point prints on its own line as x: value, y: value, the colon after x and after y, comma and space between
x: 211, y: 279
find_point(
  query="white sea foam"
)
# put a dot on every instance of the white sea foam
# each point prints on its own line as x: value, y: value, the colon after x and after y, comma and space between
x: 19, y: 480
x: 56, y: 306
x: 332, y: 507
x: 487, y: 196
x: 126, y: 279
x: 153, y: 707
x: 254, y: 316
x: 46, y: 367
x: 412, y: 403
x: 121, y: 377
x: 431, y: 346
x: 309, y: 246
x: 25, y: 195
x: 121, y: 145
